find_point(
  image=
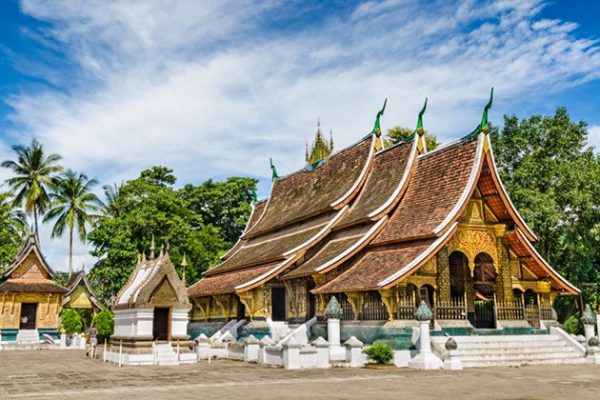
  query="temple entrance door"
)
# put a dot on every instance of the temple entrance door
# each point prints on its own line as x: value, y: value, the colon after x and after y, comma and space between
x: 484, y: 284
x: 161, y: 326
x: 28, y: 316
x: 311, y: 309
x: 241, y: 309
x: 278, y: 304
x: 459, y: 264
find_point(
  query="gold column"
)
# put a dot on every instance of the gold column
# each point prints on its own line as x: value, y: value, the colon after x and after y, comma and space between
x: 389, y: 298
x: 443, y: 274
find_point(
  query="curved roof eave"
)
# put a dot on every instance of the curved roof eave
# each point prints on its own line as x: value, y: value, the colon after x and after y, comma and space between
x: 419, y: 261
x: 544, y: 264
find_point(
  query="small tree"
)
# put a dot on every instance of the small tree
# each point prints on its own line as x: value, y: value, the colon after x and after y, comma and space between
x: 103, y: 321
x: 381, y: 353
x: 71, y: 321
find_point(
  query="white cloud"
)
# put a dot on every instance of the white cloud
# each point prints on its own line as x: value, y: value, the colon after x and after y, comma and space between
x: 204, y: 88
x: 594, y: 137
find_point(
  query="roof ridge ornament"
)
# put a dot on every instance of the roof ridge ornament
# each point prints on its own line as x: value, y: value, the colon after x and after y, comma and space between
x: 420, y: 129
x: 484, y: 127
x: 379, y: 144
x: 273, y: 170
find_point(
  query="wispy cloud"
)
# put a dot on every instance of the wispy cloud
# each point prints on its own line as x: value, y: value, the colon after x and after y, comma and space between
x: 213, y: 89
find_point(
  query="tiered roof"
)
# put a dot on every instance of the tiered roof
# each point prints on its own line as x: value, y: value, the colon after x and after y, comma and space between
x: 77, y: 279
x: 375, y: 216
x: 29, y: 272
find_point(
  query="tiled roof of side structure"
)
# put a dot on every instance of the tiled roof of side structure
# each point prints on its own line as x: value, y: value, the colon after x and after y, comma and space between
x: 31, y: 286
x: 307, y: 193
x: 226, y: 283
x: 373, y: 266
x: 257, y: 212
x: 435, y: 189
x: 269, y: 248
x: 382, y: 184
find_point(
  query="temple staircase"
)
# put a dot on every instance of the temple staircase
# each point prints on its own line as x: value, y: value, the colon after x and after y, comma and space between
x: 28, y: 336
x: 164, y: 354
x: 278, y: 329
x: 515, y: 350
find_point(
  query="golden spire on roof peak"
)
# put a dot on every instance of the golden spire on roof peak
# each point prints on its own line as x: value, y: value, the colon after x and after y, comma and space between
x: 321, y: 148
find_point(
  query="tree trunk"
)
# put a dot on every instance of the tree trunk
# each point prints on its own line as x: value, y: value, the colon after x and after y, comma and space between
x: 35, y: 221
x: 70, y: 251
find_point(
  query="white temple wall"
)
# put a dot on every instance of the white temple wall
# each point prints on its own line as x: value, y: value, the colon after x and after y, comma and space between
x: 134, y: 322
x: 179, y: 322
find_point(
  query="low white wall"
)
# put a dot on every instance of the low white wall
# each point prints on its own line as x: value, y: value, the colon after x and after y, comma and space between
x: 134, y: 322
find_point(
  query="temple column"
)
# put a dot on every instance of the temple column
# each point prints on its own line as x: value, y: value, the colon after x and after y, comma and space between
x: 504, y: 280
x: 469, y: 287
x: 443, y: 275
x: 356, y: 300
x: 389, y: 298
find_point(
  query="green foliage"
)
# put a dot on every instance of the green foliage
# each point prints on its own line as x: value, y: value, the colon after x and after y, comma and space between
x: 399, y: 133
x: 149, y: 206
x: 33, y: 175
x: 73, y: 207
x: 573, y: 325
x: 553, y: 177
x: 159, y: 175
x: 71, y: 321
x: 61, y: 278
x: 222, y: 204
x: 104, y: 323
x: 13, y: 225
x: 380, y: 353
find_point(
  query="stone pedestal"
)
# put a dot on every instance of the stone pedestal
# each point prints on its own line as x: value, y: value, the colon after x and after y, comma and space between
x: 354, y: 356
x: 63, y: 341
x: 322, y: 352
x: 263, y: 344
x: 589, y: 330
x: 291, y: 354
x: 425, y: 359
x: 251, y: 349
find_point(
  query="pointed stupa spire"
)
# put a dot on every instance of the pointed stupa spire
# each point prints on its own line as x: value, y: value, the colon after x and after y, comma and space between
x: 152, y: 247
x: 162, y: 252
x: 183, y: 268
x: 320, y: 148
x: 331, y: 139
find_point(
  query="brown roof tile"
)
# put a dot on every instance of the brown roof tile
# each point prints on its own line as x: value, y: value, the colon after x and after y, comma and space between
x: 388, y: 169
x: 31, y: 286
x: 331, y: 249
x: 257, y: 212
x: 226, y: 283
x: 272, y: 248
x: 373, y: 266
x: 436, y: 186
x: 306, y: 193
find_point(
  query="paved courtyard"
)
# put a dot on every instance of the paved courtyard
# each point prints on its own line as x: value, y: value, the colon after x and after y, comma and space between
x: 68, y: 374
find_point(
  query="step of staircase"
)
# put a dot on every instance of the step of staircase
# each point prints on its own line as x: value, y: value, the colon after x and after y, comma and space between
x: 513, y: 350
x: 28, y: 336
x: 165, y: 355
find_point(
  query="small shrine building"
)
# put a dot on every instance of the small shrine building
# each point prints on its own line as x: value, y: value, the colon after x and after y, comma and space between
x: 30, y: 301
x: 81, y: 296
x: 382, y: 228
x: 153, y: 305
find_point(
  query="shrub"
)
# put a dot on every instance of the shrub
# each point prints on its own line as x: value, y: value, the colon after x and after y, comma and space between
x: 381, y: 353
x: 71, y: 321
x: 573, y: 325
x: 103, y: 321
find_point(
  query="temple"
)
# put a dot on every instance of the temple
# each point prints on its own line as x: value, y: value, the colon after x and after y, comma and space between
x: 30, y: 301
x: 382, y: 228
x: 82, y: 297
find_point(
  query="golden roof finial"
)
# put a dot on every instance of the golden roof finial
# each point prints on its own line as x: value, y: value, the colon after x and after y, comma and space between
x: 183, y: 267
x: 152, y: 247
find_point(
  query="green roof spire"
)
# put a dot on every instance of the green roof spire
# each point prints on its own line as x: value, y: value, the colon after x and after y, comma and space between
x: 274, y: 170
x: 484, y: 118
x: 419, y: 129
x: 377, y: 126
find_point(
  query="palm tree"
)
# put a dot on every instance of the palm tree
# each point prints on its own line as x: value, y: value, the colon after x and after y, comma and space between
x: 73, y: 206
x: 13, y: 227
x: 111, y: 207
x: 34, y: 173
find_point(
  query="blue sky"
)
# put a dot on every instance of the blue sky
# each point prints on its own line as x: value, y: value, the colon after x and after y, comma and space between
x: 213, y: 89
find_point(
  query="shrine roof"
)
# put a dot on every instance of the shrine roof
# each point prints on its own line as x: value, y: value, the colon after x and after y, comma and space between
x: 307, y: 193
x: 437, y: 189
x: 226, y: 283
x: 31, y: 286
x: 385, y: 183
x: 257, y: 212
